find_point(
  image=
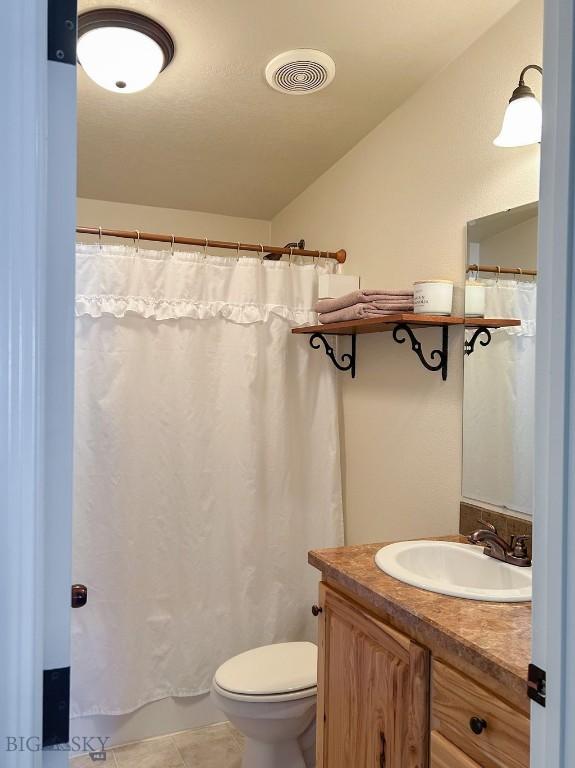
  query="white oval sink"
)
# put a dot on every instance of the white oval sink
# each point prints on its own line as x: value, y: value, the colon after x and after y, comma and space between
x: 460, y: 570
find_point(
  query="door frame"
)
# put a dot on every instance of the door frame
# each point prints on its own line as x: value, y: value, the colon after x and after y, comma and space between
x: 23, y: 157
x: 37, y: 218
x: 552, y: 732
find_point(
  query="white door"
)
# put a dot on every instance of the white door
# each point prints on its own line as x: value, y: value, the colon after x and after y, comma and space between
x: 37, y: 217
x: 553, y: 726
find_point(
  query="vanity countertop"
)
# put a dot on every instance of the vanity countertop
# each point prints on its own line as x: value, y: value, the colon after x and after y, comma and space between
x: 480, y: 638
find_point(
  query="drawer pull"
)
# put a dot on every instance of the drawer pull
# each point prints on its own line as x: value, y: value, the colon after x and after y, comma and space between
x: 477, y: 725
x: 316, y: 610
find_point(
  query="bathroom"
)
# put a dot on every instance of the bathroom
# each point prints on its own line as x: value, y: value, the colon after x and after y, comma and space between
x: 239, y: 467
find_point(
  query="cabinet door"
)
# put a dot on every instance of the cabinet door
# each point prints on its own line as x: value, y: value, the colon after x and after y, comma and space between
x: 373, y: 691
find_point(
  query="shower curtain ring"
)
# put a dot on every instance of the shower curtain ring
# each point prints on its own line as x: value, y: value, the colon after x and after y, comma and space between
x: 520, y: 271
x: 137, y: 242
x: 100, y: 237
x: 290, y: 255
x: 205, y: 248
x: 172, y: 246
x: 238, y: 253
x: 261, y: 253
x: 498, y: 273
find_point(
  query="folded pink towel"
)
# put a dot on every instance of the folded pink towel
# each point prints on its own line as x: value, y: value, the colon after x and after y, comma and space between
x: 394, y: 306
x: 356, y: 312
x: 363, y: 296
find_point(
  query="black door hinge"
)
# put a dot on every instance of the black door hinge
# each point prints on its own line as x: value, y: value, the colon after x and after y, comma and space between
x: 536, y: 684
x: 62, y: 18
x: 56, y: 707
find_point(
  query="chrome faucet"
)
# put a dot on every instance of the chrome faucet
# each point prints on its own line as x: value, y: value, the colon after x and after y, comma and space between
x: 513, y: 552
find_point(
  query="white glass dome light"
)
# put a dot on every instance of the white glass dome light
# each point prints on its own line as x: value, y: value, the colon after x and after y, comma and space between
x: 122, y: 51
x: 523, y: 117
x: 521, y: 123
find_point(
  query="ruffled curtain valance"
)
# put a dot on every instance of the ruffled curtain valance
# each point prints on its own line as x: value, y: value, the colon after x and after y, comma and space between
x: 160, y: 285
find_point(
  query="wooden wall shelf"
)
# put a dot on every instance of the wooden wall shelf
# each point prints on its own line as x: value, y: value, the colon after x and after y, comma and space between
x: 401, y: 325
x: 379, y: 325
x: 490, y: 322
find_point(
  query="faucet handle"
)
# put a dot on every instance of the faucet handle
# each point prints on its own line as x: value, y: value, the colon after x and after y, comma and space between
x: 518, y: 546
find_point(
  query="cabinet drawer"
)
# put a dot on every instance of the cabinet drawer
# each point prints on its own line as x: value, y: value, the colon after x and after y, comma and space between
x: 504, y: 741
x: 445, y: 755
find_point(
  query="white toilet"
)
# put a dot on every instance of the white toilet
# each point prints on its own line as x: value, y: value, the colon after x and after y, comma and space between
x: 269, y: 694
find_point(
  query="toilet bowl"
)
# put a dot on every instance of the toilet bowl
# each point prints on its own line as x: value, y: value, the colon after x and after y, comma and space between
x: 269, y: 694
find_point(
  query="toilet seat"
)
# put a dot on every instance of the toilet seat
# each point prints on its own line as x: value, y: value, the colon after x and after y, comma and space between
x: 279, y: 672
x: 266, y: 698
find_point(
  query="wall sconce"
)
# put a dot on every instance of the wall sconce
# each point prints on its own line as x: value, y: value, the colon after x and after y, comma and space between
x: 522, y: 119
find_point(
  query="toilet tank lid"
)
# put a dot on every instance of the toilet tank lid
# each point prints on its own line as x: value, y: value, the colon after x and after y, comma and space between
x: 271, y: 669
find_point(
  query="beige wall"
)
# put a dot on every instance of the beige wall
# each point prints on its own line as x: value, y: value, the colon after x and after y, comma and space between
x: 110, y: 215
x: 399, y: 202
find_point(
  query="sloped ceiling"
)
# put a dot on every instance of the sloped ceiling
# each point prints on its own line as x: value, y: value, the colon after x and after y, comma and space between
x: 211, y: 135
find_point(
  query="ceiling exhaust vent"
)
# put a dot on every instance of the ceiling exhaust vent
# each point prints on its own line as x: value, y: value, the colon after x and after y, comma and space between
x: 301, y: 71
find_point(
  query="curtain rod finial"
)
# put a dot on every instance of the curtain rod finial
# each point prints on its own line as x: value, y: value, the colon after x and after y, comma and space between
x: 341, y: 256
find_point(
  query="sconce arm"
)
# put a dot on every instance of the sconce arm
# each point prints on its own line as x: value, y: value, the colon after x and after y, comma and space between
x: 526, y: 69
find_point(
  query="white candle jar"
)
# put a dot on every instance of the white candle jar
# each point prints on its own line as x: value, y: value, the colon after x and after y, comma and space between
x: 474, y: 299
x: 433, y: 297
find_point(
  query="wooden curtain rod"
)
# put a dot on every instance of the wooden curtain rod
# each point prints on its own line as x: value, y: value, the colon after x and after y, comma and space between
x: 501, y: 270
x: 134, y: 234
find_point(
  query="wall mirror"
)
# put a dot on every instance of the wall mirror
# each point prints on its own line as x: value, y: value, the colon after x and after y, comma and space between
x: 499, y: 372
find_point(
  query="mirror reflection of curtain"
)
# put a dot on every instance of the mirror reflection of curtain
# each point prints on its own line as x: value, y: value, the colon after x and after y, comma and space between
x: 499, y: 403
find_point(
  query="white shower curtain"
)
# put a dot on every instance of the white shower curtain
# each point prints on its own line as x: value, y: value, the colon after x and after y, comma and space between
x: 499, y: 402
x: 207, y: 465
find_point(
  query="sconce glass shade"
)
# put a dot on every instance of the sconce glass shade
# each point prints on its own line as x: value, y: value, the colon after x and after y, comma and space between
x: 521, y: 123
x: 121, y: 50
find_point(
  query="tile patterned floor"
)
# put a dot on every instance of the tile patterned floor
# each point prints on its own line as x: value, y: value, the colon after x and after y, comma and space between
x: 216, y: 746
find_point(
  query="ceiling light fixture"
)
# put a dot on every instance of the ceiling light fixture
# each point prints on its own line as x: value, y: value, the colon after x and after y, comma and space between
x: 522, y: 119
x: 122, y: 51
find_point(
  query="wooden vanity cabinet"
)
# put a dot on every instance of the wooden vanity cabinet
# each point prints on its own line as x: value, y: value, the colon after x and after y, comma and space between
x: 379, y: 693
x: 373, y: 697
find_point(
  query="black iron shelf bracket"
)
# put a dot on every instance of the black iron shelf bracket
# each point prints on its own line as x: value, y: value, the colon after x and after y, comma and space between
x: 469, y: 346
x: 347, y: 362
x: 440, y: 354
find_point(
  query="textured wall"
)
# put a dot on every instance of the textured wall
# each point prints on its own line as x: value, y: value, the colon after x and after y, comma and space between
x: 399, y: 202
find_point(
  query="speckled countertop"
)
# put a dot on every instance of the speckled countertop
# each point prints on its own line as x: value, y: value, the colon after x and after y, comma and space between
x: 491, y: 640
